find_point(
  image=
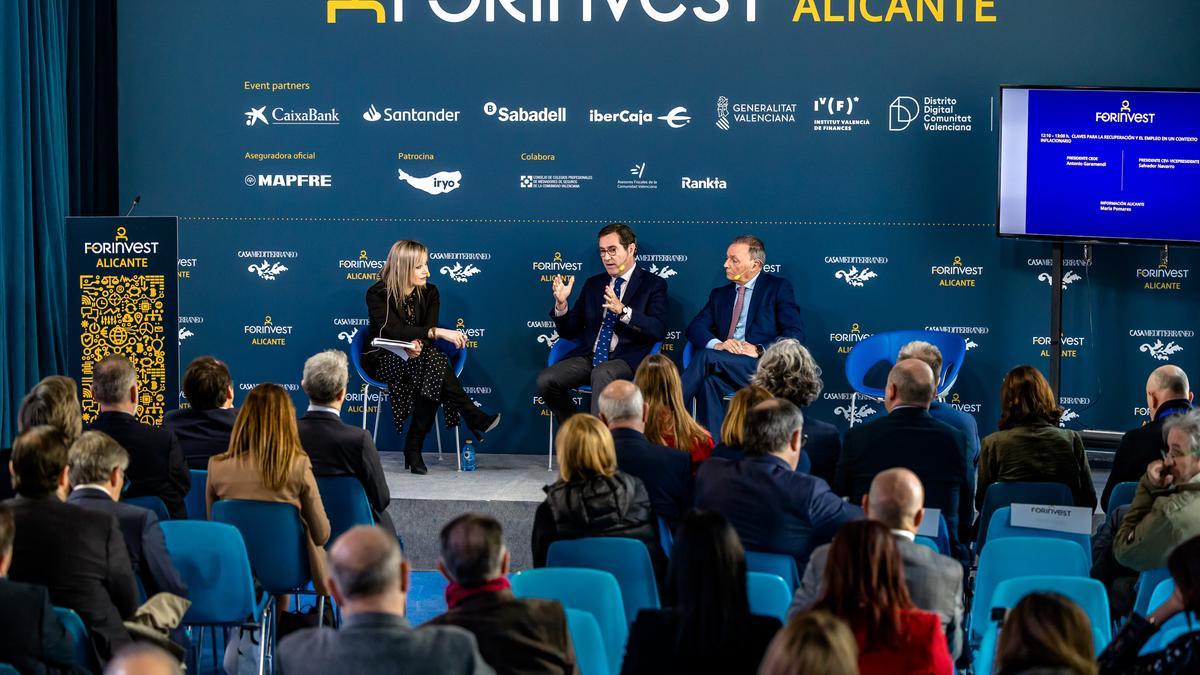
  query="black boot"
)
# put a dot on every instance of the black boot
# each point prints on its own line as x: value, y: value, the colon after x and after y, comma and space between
x: 479, y: 422
x: 418, y: 428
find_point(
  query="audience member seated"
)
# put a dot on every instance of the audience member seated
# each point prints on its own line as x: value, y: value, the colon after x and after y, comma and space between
x: 772, y: 507
x: 908, y: 436
x: 938, y: 409
x: 1045, y: 633
x: 143, y: 659
x: 33, y: 640
x: 156, y: 464
x: 1123, y: 655
x: 1119, y: 580
x: 788, y: 371
x: 516, y: 636
x: 934, y: 582
x: 203, y: 428
x: 1166, y: 508
x: 369, y: 579
x: 78, y: 555
x: 864, y: 586
x: 706, y: 625
x: 1030, y: 446
x: 669, y: 422
x: 334, y: 447
x: 811, y: 643
x: 592, y: 498
x: 265, y: 462
x: 666, y: 472
x: 1167, y: 394
x: 734, y: 426
x: 53, y: 401
x: 97, y: 471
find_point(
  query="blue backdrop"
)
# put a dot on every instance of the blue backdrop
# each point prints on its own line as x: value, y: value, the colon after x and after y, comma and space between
x: 864, y: 153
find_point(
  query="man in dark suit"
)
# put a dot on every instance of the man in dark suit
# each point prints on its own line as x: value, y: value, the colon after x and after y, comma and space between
x: 78, y: 555
x: 204, y: 427
x: 337, y: 448
x: 934, y: 581
x: 369, y: 580
x: 940, y: 410
x: 772, y: 507
x: 737, y: 324
x: 32, y: 639
x: 97, y: 475
x: 1167, y: 394
x: 156, y: 464
x: 516, y: 636
x: 619, y: 316
x: 666, y: 472
x: 909, y: 437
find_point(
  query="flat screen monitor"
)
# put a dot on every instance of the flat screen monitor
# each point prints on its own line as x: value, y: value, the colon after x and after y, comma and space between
x: 1096, y: 164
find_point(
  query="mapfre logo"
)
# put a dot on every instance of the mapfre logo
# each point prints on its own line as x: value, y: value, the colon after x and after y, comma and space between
x: 460, y: 267
x: 850, y: 272
x: 289, y: 180
x: 284, y: 116
x: 270, y: 268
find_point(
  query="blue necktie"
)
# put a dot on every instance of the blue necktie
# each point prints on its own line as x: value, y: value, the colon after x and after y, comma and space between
x: 606, y: 329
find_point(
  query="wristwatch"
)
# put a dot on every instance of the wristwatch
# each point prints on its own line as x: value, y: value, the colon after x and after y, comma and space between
x: 627, y: 312
x: 760, y: 349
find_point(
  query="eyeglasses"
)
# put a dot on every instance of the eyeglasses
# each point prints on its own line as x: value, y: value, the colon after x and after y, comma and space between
x: 1174, y: 456
x: 609, y: 252
x: 803, y: 440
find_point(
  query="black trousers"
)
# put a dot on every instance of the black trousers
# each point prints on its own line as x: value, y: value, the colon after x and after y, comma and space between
x: 556, y: 382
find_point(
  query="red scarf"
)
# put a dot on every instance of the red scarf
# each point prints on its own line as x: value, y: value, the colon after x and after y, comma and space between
x: 456, y: 593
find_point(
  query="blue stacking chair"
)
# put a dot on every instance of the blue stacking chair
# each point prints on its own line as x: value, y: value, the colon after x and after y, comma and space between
x: 357, y: 344
x: 1121, y: 495
x: 558, y: 352
x: 768, y: 595
x: 1174, y: 627
x: 872, y: 359
x: 1005, y: 494
x: 592, y: 591
x: 458, y: 361
x: 626, y: 559
x: 666, y: 538
x: 926, y: 541
x: 1089, y: 594
x: 196, y: 500
x: 212, y: 560
x: 1014, y: 557
x: 782, y: 566
x: 81, y: 645
x: 1147, y: 583
x: 1000, y: 529
x: 150, y: 503
x: 345, y: 504
x: 590, y: 655
x: 943, y: 536
x: 7, y: 669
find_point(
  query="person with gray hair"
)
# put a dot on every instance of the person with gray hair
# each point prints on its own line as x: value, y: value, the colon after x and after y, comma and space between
x: 1168, y: 393
x: 773, y: 507
x: 516, y: 636
x: 157, y: 467
x: 938, y: 409
x: 935, y: 581
x: 666, y: 471
x: 97, y: 467
x: 1166, y: 508
x: 789, y: 371
x: 909, y: 437
x: 337, y: 448
x: 735, y: 327
x: 369, y: 579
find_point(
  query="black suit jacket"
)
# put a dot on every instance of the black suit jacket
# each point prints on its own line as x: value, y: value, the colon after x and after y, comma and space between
x: 666, y: 472
x: 156, y: 464
x: 516, y: 636
x: 32, y: 639
x: 1139, y: 447
x: 652, y: 646
x: 386, y: 320
x: 143, y: 540
x: 935, y: 451
x: 81, y: 558
x: 201, y: 433
x: 339, y: 449
x: 773, y: 314
x: 646, y: 294
x: 823, y: 447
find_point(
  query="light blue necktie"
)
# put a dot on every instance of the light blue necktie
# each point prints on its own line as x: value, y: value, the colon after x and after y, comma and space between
x: 606, y: 329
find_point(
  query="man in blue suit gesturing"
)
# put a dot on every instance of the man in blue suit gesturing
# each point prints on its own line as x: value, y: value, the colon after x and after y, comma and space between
x: 740, y: 320
x: 619, y: 316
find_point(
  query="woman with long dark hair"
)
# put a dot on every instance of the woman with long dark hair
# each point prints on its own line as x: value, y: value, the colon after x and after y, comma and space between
x: 402, y: 305
x: 1045, y: 633
x: 1030, y: 446
x: 864, y: 586
x: 706, y: 626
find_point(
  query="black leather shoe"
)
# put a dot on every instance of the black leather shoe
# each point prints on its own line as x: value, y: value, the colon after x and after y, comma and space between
x: 490, y: 423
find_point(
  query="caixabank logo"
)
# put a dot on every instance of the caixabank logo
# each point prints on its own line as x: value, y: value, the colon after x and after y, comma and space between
x: 856, y: 271
x: 956, y: 274
x: 460, y: 266
x: 279, y: 115
x: 268, y: 333
x: 361, y: 267
x: 273, y: 263
x: 846, y: 341
x: 548, y: 269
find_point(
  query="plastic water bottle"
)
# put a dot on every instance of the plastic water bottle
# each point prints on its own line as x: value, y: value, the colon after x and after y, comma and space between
x: 468, y: 457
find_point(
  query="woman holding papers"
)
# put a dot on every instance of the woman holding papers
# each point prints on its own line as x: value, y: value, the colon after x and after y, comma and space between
x: 403, y: 306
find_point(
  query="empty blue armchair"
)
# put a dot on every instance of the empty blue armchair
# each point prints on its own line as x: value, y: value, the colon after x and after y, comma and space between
x: 626, y: 559
x: 592, y: 591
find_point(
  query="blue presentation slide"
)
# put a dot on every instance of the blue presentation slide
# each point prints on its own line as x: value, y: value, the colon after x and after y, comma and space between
x: 1101, y: 164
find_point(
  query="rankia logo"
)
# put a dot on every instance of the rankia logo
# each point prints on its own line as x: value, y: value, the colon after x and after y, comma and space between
x: 256, y: 115
x: 1069, y: 278
x: 437, y: 184
x: 267, y: 270
x: 902, y: 112
x: 665, y: 272
x: 1125, y: 116
x: 459, y: 273
x: 713, y: 183
x: 677, y: 118
x: 854, y: 276
x: 1160, y: 351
